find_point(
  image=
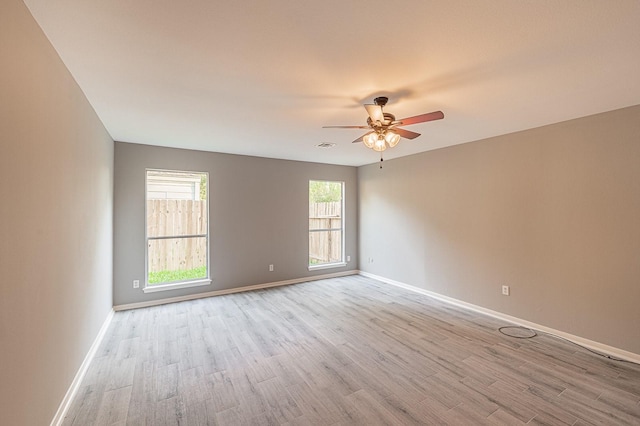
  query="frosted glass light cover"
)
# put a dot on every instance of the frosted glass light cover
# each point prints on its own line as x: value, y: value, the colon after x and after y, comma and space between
x: 392, y: 138
x: 370, y: 139
x: 380, y: 144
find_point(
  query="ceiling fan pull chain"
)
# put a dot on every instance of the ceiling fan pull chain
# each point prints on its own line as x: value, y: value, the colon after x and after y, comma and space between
x: 381, y: 159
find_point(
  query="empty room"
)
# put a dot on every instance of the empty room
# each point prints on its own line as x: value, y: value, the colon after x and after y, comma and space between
x: 331, y: 213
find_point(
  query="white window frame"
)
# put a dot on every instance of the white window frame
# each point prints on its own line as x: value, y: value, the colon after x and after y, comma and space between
x: 342, y: 229
x: 151, y: 288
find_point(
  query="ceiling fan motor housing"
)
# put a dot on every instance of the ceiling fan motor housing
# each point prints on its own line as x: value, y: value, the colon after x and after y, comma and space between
x: 389, y: 118
x: 381, y: 100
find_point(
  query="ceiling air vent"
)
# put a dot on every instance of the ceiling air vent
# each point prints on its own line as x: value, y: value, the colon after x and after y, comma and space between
x: 326, y: 145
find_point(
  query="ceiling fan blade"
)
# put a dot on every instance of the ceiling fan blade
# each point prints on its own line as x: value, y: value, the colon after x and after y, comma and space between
x: 407, y: 134
x: 375, y: 112
x: 345, y: 127
x: 361, y: 137
x: 436, y: 115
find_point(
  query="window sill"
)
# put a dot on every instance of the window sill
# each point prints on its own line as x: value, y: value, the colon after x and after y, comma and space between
x: 175, y: 286
x: 327, y: 266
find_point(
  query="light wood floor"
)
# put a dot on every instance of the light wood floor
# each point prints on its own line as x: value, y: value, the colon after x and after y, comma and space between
x: 342, y: 351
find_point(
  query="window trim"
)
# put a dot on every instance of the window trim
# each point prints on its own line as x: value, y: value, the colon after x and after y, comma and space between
x: 342, y: 229
x: 327, y: 266
x: 174, y: 285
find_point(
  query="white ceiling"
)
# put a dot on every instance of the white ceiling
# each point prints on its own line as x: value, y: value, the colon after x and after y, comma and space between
x: 261, y: 77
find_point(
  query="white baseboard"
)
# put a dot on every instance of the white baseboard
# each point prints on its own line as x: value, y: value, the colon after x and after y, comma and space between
x: 77, y: 380
x: 596, y: 346
x: 230, y: 291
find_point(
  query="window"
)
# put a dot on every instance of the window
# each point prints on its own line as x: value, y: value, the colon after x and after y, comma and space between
x: 326, y: 224
x: 177, y: 229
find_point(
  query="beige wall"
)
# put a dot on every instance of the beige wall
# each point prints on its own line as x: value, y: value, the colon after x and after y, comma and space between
x: 55, y: 223
x: 554, y: 212
x: 259, y: 211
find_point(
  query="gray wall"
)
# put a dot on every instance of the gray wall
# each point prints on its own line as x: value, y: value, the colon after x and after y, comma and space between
x: 56, y: 169
x: 258, y: 216
x: 554, y: 212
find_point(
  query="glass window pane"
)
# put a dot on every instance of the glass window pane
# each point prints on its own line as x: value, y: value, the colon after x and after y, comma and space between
x: 325, y: 222
x: 176, y: 203
x: 325, y: 247
x: 177, y: 259
x: 177, y: 226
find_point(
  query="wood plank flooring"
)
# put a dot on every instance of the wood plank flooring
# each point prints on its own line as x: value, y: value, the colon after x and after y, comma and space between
x: 344, y: 351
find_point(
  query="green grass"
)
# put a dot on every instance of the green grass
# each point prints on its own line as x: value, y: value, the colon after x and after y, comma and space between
x: 162, y: 277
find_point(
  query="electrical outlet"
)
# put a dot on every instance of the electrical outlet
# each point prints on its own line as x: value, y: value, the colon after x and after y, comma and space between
x: 505, y: 290
x: 136, y: 283
x: 348, y: 258
x: 270, y: 268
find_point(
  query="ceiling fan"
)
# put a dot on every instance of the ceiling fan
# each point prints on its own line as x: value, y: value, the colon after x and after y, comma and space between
x: 384, y: 130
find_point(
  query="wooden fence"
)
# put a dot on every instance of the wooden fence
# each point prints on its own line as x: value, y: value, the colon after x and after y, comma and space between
x: 325, y: 246
x: 176, y: 218
x: 189, y: 217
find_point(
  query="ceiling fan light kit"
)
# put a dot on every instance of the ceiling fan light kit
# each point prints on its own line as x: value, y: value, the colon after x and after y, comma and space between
x: 384, y: 129
x: 379, y: 141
